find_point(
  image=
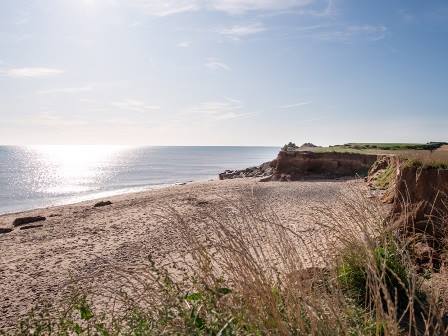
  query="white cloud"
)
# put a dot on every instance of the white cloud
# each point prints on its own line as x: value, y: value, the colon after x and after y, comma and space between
x: 169, y: 7
x: 184, y: 44
x: 295, y: 105
x: 30, y: 72
x: 134, y: 105
x: 164, y: 7
x: 216, y: 64
x: 219, y: 110
x: 242, y: 6
x: 239, y: 31
x: 71, y: 90
x: 51, y: 119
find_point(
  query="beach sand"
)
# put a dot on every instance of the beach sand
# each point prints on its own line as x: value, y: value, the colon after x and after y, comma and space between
x: 83, y: 243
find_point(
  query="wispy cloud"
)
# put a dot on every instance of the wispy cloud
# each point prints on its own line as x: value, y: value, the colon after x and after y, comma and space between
x: 406, y: 16
x: 296, y: 105
x: 30, y: 72
x: 348, y: 33
x: 135, y: 106
x: 242, y: 6
x: 219, y: 110
x: 239, y: 31
x: 22, y: 19
x: 184, y: 44
x: 164, y: 7
x: 215, y: 64
x: 169, y: 7
x: 70, y: 90
x: 342, y: 33
x: 51, y: 119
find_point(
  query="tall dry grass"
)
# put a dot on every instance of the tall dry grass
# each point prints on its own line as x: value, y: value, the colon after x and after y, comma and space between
x: 249, y: 273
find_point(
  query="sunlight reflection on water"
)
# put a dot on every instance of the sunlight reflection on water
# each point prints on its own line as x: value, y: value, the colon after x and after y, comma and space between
x: 40, y: 176
x: 72, y: 169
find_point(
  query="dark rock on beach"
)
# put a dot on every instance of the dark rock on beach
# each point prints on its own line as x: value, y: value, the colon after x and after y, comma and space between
x: 27, y: 220
x: 102, y: 204
x: 5, y: 230
x: 31, y: 227
x: 264, y: 170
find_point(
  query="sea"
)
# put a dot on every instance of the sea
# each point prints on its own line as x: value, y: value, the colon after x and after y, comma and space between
x: 41, y: 176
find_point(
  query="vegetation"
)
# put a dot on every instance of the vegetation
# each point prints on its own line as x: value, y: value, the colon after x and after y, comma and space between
x: 386, y: 178
x: 395, y: 146
x: 422, y: 162
x: 248, y: 273
x: 431, y: 155
x: 290, y: 147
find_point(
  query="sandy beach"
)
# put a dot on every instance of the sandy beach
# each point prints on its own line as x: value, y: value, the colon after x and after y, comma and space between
x: 83, y: 243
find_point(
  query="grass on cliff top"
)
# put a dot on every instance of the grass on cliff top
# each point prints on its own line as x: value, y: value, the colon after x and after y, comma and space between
x: 253, y: 274
x: 395, y: 146
x: 437, y: 158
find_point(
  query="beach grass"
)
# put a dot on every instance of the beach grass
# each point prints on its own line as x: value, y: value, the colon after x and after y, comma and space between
x: 253, y: 274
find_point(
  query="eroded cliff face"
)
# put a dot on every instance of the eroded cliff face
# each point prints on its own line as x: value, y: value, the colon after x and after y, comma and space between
x: 419, y: 198
x: 292, y: 166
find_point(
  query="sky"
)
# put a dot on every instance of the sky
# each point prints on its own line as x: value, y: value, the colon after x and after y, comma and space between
x: 223, y: 72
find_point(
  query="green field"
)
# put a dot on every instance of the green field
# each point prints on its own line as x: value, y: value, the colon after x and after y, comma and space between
x: 395, y: 146
x: 431, y: 154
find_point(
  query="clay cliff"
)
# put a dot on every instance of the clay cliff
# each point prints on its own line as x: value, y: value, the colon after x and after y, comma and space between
x: 291, y: 166
x: 419, y: 198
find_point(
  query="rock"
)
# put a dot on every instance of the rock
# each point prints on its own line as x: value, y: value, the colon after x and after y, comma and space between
x: 425, y: 256
x: 5, y: 230
x: 102, y: 204
x: 266, y: 179
x: 31, y: 227
x: 27, y: 220
x: 263, y: 170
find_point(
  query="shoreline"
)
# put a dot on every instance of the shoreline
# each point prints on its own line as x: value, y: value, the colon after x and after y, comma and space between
x: 102, y: 196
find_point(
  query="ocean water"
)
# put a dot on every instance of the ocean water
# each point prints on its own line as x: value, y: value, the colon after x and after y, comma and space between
x: 41, y: 176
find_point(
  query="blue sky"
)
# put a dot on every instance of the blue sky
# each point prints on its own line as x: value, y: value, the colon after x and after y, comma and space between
x: 223, y: 72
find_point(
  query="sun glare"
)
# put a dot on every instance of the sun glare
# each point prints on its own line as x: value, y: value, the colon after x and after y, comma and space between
x: 73, y: 165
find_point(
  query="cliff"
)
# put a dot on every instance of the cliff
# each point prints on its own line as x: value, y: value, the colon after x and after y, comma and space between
x: 419, y: 198
x: 299, y: 165
x: 291, y: 166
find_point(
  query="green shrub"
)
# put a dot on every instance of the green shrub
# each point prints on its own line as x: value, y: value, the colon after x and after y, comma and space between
x: 361, y: 270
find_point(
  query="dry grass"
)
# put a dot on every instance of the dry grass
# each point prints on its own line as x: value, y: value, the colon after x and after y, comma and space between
x: 248, y: 273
